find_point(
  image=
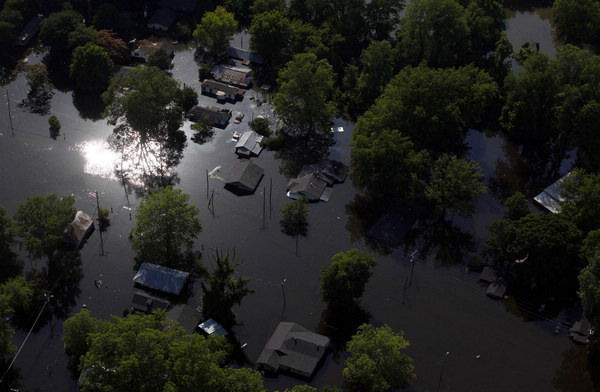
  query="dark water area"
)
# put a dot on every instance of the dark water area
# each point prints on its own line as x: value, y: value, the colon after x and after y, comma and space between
x: 491, y: 345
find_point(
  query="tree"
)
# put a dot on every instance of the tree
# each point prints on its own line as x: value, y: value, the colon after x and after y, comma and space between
x: 41, y: 221
x: 144, y: 102
x: 436, y: 31
x: 215, y: 31
x: 91, y: 67
x: 160, y: 59
x: 10, y: 266
x: 576, y: 21
x: 271, y: 33
x: 260, y: 125
x: 304, y: 106
x: 77, y: 330
x: 81, y: 35
x: 260, y: 6
x: 581, y: 198
x: 382, y: 17
x: 40, y: 87
x: 55, y: 29
x: 517, y: 206
x: 433, y: 107
x: 547, y: 244
x: 454, y: 184
x: 222, y: 290
x: 114, y: 46
x: 188, y: 98
x: 376, y: 362
x: 166, y: 227
x: 343, y: 281
x: 294, y: 219
x: 377, y: 70
x: 14, y: 294
x: 589, y: 290
x: 153, y: 354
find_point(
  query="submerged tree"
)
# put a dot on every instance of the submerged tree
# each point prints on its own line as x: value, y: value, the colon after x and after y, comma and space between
x: 166, y: 227
x: 91, y: 67
x: 343, y: 281
x: 294, y: 220
x: 215, y: 31
x: 41, y: 221
x: 376, y: 362
x: 222, y: 290
x: 10, y: 266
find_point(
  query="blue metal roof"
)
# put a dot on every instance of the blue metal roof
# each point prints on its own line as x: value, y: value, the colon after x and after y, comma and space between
x: 161, y: 278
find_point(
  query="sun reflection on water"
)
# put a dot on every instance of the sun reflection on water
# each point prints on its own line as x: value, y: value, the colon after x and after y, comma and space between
x: 99, y: 158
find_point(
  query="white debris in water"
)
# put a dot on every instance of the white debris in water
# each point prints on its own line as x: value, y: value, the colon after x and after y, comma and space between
x: 214, y: 173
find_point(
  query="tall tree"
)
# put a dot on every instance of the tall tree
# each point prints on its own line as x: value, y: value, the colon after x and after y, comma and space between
x: 114, y: 46
x: 166, y: 227
x: 10, y: 266
x: 589, y: 290
x: 215, y: 31
x: 91, y: 67
x: 576, y: 21
x: 377, y: 70
x: 222, y: 290
x: 383, y: 16
x: 144, y: 102
x: 304, y: 106
x: 376, y: 362
x: 41, y: 221
x: 454, y: 184
x: 14, y: 293
x: 271, y: 34
x: 149, y: 353
x: 55, y: 29
x: 343, y: 281
x: 77, y: 330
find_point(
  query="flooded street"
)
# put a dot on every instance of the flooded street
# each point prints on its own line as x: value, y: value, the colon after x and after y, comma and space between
x: 445, y: 309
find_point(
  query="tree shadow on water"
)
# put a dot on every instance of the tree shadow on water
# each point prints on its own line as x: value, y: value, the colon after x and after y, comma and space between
x: 89, y: 104
x: 576, y: 373
x: 10, y: 381
x: 341, y: 324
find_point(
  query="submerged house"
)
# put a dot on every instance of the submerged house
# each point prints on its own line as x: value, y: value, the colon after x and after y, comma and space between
x: 78, y: 231
x: 217, y: 116
x: 222, y: 91
x: 144, y: 48
x: 186, y: 316
x: 244, y: 177
x: 142, y: 302
x: 162, y: 19
x: 248, y: 144
x: 237, y: 76
x: 157, y: 277
x: 328, y: 170
x: 294, y: 350
x: 309, y: 186
x: 211, y: 327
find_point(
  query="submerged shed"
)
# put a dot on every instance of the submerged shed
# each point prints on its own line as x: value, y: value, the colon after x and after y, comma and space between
x: 142, y: 302
x: 497, y: 288
x: 210, y: 327
x: 249, y: 144
x: 244, y: 177
x: 550, y: 197
x: 309, y: 186
x: 161, y: 278
x: 185, y: 315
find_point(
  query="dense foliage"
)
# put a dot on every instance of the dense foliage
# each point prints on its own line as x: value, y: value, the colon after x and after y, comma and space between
x: 91, y: 67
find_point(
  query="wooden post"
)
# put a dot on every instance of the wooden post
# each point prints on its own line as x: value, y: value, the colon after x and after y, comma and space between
x: 206, y: 184
x: 264, y: 201
x: 270, y: 199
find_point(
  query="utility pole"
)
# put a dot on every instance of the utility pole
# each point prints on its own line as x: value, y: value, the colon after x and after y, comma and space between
x: 442, y: 370
x: 12, y: 129
x: 283, y: 292
x: 99, y: 225
x: 412, y: 269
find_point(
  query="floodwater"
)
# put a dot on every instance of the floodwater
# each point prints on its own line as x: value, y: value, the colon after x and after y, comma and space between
x: 443, y: 310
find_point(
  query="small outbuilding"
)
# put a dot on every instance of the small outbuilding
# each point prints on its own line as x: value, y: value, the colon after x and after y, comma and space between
x: 497, y: 288
x: 244, y: 177
x: 161, y: 278
x: 249, y: 144
x: 186, y: 316
x: 211, y: 327
x: 30, y: 30
x: 580, y: 331
x: 328, y: 170
x: 550, y: 197
x: 78, y: 231
x: 142, y: 302
x: 222, y: 91
x: 144, y: 48
x: 293, y: 349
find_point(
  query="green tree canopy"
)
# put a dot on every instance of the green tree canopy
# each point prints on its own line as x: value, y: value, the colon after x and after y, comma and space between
x: 581, y: 199
x: 160, y: 59
x: 589, y: 290
x: 377, y: 70
x: 271, y: 35
x: 81, y: 35
x: 41, y: 221
x: 9, y: 264
x: 376, y: 362
x: 383, y: 16
x: 77, y: 332
x: 166, y: 227
x: 454, y: 184
x: 223, y: 290
x: 14, y: 293
x: 91, y: 67
x: 517, y: 206
x: 152, y: 354
x: 55, y: 29
x: 215, y: 31
x: 294, y: 220
x: 144, y: 102
x: 576, y: 21
x: 433, y: 107
x: 304, y: 106
x: 343, y: 281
